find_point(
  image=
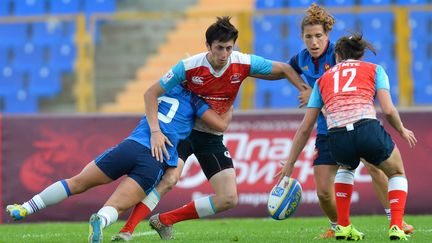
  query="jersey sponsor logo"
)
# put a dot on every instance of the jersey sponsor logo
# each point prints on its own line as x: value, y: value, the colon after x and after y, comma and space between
x: 235, y: 78
x: 305, y: 68
x: 198, y: 80
x: 167, y: 77
x: 326, y: 67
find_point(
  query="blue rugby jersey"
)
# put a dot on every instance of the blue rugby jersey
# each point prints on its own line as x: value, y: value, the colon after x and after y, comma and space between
x: 312, y: 69
x: 176, y: 113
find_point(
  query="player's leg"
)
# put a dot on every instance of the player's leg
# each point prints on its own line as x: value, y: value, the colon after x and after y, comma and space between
x: 89, y: 177
x: 127, y: 194
x: 142, y: 178
x: 169, y: 180
x: 380, y: 185
x: 325, y: 168
x: 149, y: 203
x: 218, y: 168
x: 397, y: 192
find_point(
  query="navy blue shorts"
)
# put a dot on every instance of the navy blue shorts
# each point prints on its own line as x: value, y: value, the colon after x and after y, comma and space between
x: 322, y: 151
x: 135, y: 160
x: 368, y: 140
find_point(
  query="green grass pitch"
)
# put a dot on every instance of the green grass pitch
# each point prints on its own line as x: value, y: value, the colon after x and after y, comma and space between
x: 296, y: 229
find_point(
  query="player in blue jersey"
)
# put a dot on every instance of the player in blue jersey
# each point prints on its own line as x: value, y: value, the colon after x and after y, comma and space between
x: 133, y: 157
x: 312, y: 62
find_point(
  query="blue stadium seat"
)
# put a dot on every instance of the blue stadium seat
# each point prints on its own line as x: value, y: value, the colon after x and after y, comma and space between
x: 375, y: 2
x: 421, y: 50
x: 345, y: 24
x: 420, y: 23
x: 11, y: 80
x: 44, y: 82
x: 4, y: 8
x: 21, y: 102
x: 300, y: 3
x: 65, y: 6
x: 63, y: 56
x: 269, y: 49
x: 411, y: 2
x: 377, y: 25
x: 98, y: 6
x: 384, y: 52
x: 268, y: 27
x: 13, y: 33
x: 268, y: 4
x: 29, y: 7
x: 423, y: 92
x: 275, y: 95
x: 294, y: 26
x: 28, y: 56
x: 46, y: 32
x: 4, y: 56
x: 422, y: 70
x: 339, y: 3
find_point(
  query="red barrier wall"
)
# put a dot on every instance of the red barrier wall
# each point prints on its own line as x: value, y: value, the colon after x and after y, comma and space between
x: 37, y: 151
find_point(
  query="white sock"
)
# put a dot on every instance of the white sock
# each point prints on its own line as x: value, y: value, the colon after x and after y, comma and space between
x: 53, y: 194
x: 333, y: 225
x: 108, y: 215
x: 152, y: 199
x: 204, y: 207
x: 344, y: 176
x: 388, y: 213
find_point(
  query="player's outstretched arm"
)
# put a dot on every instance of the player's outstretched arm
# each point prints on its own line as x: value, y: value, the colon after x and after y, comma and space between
x: 299, y: 142
x: 218, y: 122
x: 392, y: 116
x: 158, y: 139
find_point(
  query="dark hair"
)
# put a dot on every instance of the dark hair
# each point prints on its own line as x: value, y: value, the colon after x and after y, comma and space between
x: 318, y: 15
x: 222, y: 30
x: 352, y: 47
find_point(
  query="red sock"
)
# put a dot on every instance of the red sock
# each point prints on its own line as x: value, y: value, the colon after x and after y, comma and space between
x: 397, y: 199
x: 343, y: 194
x: 139, y: 213
x: 186, y: 212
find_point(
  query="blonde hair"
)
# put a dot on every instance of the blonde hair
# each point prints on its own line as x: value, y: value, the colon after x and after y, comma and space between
x: 318, y: 15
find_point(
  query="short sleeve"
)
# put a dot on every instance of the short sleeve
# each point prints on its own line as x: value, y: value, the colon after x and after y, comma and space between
x: 381, y: 78
x: 315, y: 100
x: 174, y: 76
x: 260, y: 65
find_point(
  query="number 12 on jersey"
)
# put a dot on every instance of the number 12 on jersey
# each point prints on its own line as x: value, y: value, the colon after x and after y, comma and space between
x: 350, y: 73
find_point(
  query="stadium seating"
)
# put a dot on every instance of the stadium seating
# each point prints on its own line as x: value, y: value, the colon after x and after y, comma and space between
x: 375, y: 2
x: 63, y: 56
x: 20, y: 102
x: 4, y: 8
x: 411, y: 2
x: 29, y: 7
x: 377, y: 25
x: 65, y: 6
x: 44, y: 82
x: 345, y: 24
x: 339, y: 3
x: 269, y: 4
x: 423, y: 92
x: 92, y: 6
x: 28, y: 56
x: 11, y: 81
x: 47, y: 32
x: 13, y: 33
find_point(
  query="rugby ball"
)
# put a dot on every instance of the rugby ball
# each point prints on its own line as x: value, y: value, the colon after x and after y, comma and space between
x: 284, y: 198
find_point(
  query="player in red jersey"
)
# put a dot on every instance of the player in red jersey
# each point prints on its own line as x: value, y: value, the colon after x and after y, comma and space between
x: 346, y: 92
x: 216, y: 76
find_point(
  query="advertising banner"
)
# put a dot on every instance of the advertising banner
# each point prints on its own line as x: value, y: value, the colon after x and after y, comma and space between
x: 37, y: 151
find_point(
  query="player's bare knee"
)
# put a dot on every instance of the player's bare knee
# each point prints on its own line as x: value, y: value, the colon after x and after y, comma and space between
x: 230, y: 201
x: 324, y: 196
x: 168, y: 182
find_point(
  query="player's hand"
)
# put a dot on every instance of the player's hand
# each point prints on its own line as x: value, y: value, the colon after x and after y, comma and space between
x: 304, y: 95
x: 409, y: 136
x: 158, y: 148
x: 286, y: 170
